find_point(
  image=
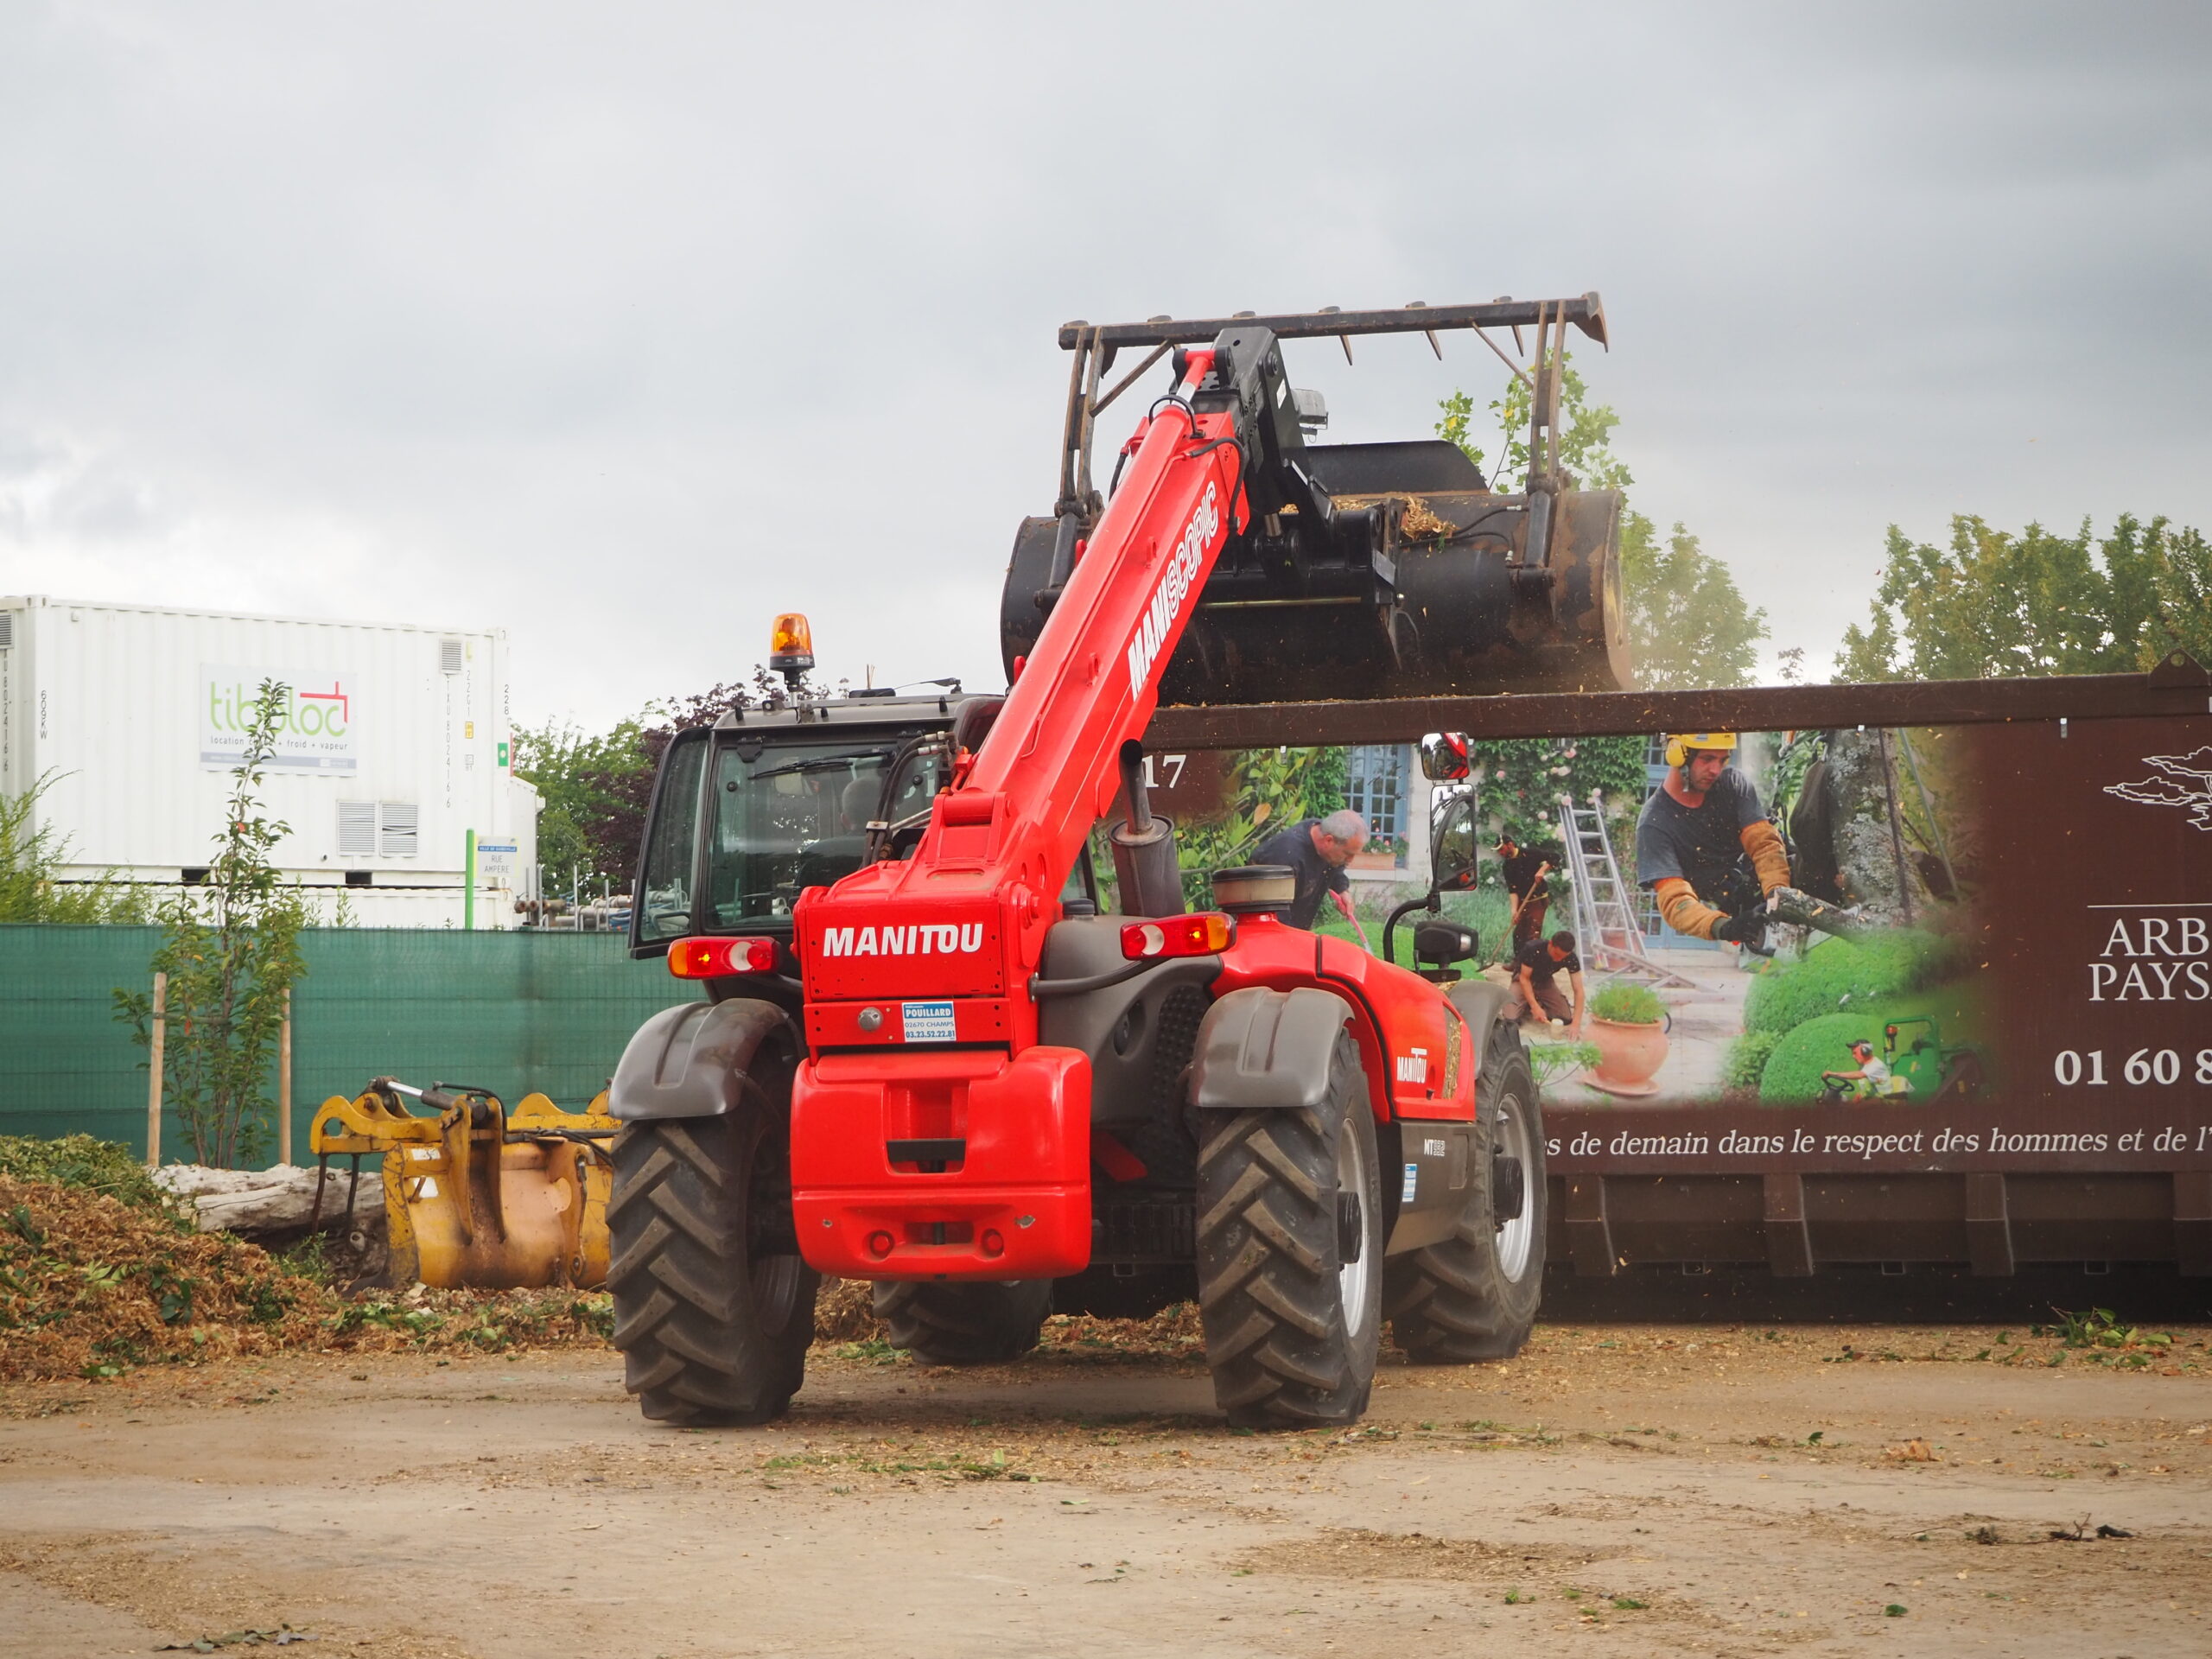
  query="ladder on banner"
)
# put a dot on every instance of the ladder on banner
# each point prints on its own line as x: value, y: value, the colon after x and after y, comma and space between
x: 1605, y: 924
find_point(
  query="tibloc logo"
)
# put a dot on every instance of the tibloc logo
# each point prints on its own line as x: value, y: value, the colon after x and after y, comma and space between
x: 1174, y: 588
x: 923, y: 939
x: 317, y: 731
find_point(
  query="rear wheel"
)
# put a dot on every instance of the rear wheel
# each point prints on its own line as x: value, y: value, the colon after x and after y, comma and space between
x: 964, y: 1322
x: 1290, y: 1256
x: 713, y: 1308
x: 1474, y: 1295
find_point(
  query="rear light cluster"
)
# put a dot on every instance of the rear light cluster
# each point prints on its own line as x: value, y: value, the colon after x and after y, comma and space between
x: 720, y: 958
x: 1205, y: 934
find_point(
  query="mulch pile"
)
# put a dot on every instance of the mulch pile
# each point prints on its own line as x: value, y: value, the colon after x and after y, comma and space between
x: 101, y: 1272
x: 91, y: 1286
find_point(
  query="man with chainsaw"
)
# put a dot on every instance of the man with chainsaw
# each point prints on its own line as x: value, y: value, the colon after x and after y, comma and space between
x: 1704, y: 846
x: 1316, y: 851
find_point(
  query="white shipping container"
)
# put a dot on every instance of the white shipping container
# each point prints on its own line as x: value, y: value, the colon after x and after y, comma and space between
x: 395, y: 748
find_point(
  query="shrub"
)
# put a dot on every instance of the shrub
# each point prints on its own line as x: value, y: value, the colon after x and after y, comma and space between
x: 1628, y: 1005
x: 1842, y: 974
x: 1793, y: 1070
x: 1747, y: 1060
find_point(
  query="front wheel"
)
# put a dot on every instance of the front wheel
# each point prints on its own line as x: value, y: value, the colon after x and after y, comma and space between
x: 713, y: 1308
x: 1290, y: 1256
x: 1473, y: 1296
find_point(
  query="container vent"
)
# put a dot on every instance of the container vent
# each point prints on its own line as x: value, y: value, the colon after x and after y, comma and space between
x: 357, y: 829
x: 395, y: 828
x: 7, y: 629
x: 449, y: 656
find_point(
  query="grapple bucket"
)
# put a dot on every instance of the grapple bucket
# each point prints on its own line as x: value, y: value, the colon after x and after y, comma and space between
x: 477, y: 1196
x: 1370, y: 570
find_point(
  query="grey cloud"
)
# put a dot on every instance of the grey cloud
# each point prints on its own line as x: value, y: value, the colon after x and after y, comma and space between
x: 628, y: 330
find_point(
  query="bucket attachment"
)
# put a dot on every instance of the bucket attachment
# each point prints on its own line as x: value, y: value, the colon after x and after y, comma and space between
x: 474, y: 1195
x: 1365, y: 569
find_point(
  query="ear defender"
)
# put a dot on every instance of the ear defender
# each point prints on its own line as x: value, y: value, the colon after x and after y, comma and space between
x: 1679, y: 744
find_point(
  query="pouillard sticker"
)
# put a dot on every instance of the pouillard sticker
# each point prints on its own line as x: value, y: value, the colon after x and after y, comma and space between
x: 320, y: 730
x: 926, y: 1022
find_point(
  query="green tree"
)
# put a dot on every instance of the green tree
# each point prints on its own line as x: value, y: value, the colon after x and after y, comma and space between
x: 1520, y: 780
x: 584, y: 780
x: 1993, y: 603
x: 232, y: 951
x: 1688, y: 624
x: 1689, y: 628
x: 31, y: 857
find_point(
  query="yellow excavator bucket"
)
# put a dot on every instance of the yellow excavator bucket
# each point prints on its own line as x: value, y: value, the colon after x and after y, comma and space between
x: 476, y: 1195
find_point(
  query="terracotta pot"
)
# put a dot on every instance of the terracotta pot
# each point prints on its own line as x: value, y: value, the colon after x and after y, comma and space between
x: 1627, y: 1056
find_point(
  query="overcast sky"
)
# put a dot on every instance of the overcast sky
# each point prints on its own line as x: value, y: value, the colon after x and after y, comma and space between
x: 625, y: 327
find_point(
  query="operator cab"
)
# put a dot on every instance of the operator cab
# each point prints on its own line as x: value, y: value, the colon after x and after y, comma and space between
x: 748, y: 814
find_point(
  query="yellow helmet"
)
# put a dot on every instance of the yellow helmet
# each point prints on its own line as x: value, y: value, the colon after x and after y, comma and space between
x: 1679, y: 744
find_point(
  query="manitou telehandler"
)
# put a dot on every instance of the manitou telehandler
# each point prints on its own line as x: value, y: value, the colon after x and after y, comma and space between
x: 925, y: 1058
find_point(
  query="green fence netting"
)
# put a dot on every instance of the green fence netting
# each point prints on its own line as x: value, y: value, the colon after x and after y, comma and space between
x: 512, y: 1012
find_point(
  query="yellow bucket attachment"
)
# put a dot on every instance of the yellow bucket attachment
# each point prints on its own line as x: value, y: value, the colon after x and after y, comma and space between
x: 476, y: 1195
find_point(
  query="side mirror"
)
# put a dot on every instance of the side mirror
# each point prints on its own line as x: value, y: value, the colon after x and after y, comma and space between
x: 1444, y: 757
x: 1452, y: 849
x: 1445, y: 942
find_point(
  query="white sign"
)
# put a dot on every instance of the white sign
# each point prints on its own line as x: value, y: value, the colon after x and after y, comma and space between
x: 495, y: 860
x: 318, y: 730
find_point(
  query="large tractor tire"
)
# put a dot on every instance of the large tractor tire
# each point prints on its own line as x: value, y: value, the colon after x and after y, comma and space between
x: 1473, y: 1296
x: 713, y: 1308
x: 1290, y: 1255
x: 964, y: 1322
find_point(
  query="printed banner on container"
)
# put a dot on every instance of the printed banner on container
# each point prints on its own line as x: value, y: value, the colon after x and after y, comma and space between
x: 1965, y: 947
x: 1969, y: 948
x: 319, y: 733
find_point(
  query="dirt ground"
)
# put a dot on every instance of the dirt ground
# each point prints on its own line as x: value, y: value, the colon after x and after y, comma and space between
x: 1618, y: 1491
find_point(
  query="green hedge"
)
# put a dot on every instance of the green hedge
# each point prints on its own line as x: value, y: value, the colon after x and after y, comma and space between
x: 1842, y: 975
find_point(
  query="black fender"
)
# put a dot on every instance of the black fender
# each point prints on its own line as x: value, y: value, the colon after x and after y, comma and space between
x: 692, y: 1061
x: 1483, y: 1004
x: 1268, y: 1051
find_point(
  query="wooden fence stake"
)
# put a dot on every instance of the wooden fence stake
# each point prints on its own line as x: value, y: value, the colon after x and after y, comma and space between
x: 153, y: 1073
x: 284, y: 1083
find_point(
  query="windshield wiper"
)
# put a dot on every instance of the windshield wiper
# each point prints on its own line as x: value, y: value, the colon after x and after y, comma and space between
x: 819, y: 763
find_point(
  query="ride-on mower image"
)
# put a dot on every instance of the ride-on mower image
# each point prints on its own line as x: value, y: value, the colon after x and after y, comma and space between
x: 1921, y: 1066
x: 926, y: 1058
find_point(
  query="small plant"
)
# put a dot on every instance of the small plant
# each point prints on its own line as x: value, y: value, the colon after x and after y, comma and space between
x: 32, y: 855
x: 1553, y: 1061
x: 265, y: 1303
x: 231, y: 950
x: 172, y: 1293
x: 1628, y: 1005
x: 2092, y: 1327
x: 1894, y: 1609
x: 1629, y: 1604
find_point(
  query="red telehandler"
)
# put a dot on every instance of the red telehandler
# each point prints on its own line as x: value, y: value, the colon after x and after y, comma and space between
x: 925, y: 1058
